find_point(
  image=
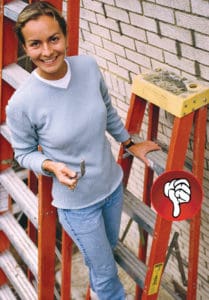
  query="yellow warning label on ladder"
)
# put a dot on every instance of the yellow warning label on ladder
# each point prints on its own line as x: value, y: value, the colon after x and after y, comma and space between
x: 155, y: 279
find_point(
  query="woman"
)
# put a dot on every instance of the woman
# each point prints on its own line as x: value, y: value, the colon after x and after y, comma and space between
x: 65, y: 108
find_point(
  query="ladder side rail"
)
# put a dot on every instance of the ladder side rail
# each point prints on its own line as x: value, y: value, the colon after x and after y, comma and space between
x: 73, y: 16
x: 73, y: 12
x: 46, y: 240
x: 178, y: 144
x: 31, y: 230
x: 5, y: 148
x: 7, y: 39
x: 66, y: 267
x: 133, y: 125
x: 153, y: 120
x: 198, y: 167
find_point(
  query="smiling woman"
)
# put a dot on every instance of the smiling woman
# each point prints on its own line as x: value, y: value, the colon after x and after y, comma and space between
x: 64, y: 107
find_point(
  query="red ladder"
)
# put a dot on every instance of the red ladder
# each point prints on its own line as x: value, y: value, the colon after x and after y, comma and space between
x: 189, y: 108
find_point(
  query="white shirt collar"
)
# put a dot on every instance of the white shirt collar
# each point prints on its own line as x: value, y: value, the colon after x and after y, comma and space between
x: 60, y: 83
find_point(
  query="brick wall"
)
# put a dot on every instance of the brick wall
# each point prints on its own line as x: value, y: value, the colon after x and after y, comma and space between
x: 130, y: 37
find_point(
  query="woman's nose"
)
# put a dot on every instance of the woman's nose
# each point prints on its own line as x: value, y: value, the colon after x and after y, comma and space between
x: 46, y: 49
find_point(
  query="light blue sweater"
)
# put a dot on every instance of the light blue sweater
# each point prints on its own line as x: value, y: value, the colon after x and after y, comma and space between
x: 70, y: 125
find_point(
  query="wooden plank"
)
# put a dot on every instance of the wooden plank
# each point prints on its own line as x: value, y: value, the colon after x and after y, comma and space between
x: 20, y: 240
x: 17, y: 277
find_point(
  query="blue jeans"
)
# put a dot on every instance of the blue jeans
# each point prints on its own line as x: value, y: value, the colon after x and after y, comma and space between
x: 95, y: 231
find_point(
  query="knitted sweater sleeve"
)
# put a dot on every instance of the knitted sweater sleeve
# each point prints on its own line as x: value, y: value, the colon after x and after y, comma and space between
x: 24, y: 140
x: 114, y: 124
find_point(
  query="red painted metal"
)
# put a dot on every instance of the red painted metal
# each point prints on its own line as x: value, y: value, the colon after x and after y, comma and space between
x: 88, y: 294
x: 5, y: 149
x: 133, y: 125
x: 153, y: 119
x: 32, y: 232
x: 9, y: 53
x: 4, y: 245
x: 4, y: 242
x: 1, y: 39
x: 67, y: 249
x: 46, y: 240
x: 178, y: 144
x: 73, y: 12
x: 3, y: 278
x: 198, y: 167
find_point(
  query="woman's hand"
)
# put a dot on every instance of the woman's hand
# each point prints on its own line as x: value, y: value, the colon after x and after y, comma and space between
x: 62, y: 172
x: 141, y: 149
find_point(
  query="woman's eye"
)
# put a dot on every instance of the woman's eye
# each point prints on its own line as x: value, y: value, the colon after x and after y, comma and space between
x: 34, y: 44
x: 54, y: 39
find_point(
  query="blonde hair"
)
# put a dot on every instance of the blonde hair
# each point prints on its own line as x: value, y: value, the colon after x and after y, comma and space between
x: 33, y: 12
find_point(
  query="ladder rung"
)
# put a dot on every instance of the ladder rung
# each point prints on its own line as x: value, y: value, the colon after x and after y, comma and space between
x: 13, y: 8
x: 139, y: 212
x: 14, y: 75
x: 4, y: 130
x: 130, y: 263
x: 3, y: 199
x: 17, y: 277
x: 6, y: 293
x: 21, y: 194
x: 20, y: 240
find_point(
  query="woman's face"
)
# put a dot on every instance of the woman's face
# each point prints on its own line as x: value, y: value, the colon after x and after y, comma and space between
x: 45, y: 44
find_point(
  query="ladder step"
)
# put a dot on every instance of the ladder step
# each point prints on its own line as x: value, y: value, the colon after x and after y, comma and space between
x: 20, y: 240
x: 130, y: 263
x: 17, y: 277
x: 3, y: 199
x: 139, y: 212
x: 157, y: 159
x: 21, y: 194
x: 13, y: 8
x: 14, y: 75
x: 4, y: 130
x: 6, y: 293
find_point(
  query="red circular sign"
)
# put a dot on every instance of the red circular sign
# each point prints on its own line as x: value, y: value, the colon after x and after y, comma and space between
x: 176, y: 195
